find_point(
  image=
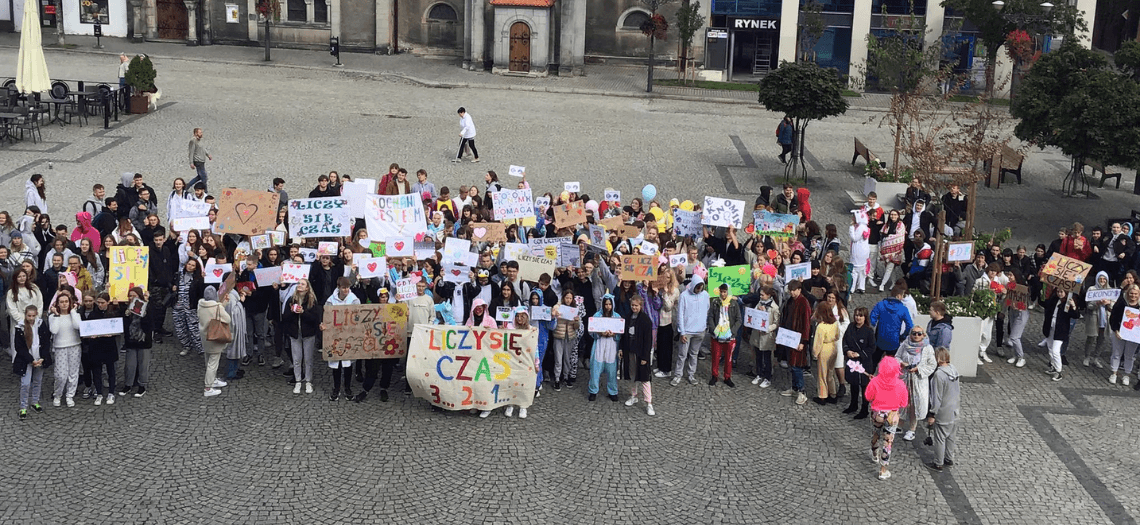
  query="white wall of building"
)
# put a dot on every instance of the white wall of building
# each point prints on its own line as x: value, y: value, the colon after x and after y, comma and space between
x: 118, y: 17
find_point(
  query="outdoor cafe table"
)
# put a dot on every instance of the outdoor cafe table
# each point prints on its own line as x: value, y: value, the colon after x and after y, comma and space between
x: 5, y: 118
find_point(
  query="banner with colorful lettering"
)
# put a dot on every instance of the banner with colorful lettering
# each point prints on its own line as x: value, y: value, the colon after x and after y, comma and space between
x: 130, y: 266
x: 738, y: 278
x: 391, y: 216
x: 365, y: 331
x: 512, y: 204
x: 464, y: 367
x: 779, y: 225
x: 323, y: 217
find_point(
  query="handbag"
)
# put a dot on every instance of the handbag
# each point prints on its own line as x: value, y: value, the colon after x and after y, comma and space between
x: 218, y: 331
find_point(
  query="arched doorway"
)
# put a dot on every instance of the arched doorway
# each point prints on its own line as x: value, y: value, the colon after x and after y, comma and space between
x: 520, y: 47
x: 172, y: 21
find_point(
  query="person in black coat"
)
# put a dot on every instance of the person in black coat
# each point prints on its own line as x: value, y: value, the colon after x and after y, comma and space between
x: 1061, y: 310
x: 33, y: 356
x: 99, y: 351
x: 638, y: 341
x: 301, y: 321
x: 162, y: 270
x: 138, y: 338
x: 858, y: 346
x: 323, y: 274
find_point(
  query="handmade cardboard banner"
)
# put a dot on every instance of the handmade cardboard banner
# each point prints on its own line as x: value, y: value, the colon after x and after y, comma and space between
x: 267, y: 276
x: 405, y: 289
x: 606, y: 324
x: 1017, y: 296
x: 687, y: 223
x: 390, y: 216
x: 778, y: 225
x: 513, y: 250
x: 1065, y: 273
x: 738, y: 279
x: 365, y: 331
x: 1109, y: 294
x: 516, y: 171
x: 680, y: 259
x: 465, y: 367
x: 787, y: 338
x: 182, y: 208
x: 960, y: 252
x: 512, y: 204
x: 357, y: 192
x: 532, y: 267
x: 568, y: 214
x: 638, y: 268
x: 130, y: 266
x: 183, y: 224
x: 246, y: 212
x: 797, y: 272
x: 1130, y: 325
x: 722, y: 212
x: 109, y: 326
x: 324, y: 217
x: 488, y: 232
x: 292, y: 272
x: 215, y: 272
x: 756, y: 319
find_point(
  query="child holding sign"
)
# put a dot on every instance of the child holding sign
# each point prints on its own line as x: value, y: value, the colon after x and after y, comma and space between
x: 603, y: 358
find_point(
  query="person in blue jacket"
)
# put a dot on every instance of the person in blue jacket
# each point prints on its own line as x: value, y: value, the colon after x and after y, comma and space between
x: 891, y: 320
x: 603, y: 357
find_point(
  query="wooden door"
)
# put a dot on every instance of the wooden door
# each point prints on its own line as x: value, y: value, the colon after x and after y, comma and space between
x: 173, y: 23
x: 520, y: 47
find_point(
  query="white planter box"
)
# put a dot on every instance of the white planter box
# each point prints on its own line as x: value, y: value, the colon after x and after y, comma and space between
x: 964, y: 345
x: 887, y: 192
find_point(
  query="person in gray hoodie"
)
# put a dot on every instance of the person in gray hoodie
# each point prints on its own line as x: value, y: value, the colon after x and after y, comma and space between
x: 942, y: 420
x: 692, y: 321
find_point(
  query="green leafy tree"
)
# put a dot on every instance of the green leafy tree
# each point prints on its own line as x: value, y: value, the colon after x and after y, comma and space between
x: 141, y: 74
x: 1127, y: 59
x: 1074, y: 100
x: 811, y: 29
x: 806, y: 92
x: 689, y: 21
x: 993, y: 25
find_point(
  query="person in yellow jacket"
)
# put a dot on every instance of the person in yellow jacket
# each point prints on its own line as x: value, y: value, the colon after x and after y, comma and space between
x: 823, y: 350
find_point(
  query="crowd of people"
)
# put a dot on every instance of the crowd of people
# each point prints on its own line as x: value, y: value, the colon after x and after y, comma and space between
x: 54, y: 276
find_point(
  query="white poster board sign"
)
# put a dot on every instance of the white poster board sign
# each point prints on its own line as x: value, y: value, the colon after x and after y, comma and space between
x: 109, y: 326
x: 787, y: 338
x: 607, y: 324
x: 756, y: 319
x: 794, y: 272
x: 722, y: 212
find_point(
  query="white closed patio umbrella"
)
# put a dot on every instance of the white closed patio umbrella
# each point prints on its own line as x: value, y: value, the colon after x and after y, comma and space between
x: 31, y: 68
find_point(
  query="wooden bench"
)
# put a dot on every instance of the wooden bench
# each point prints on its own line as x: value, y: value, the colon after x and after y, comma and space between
x: 862, y: 151
x: 1104, y: 175
x: 1010, y: 162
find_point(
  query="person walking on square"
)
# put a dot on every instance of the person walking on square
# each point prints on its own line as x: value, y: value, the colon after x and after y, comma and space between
x: 784, y: 137
x: 944, y: 406
x: 887, y: 395
x: 467, y: 136
x: 198, y: 158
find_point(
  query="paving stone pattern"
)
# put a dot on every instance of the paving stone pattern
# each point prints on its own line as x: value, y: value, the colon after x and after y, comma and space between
x: 1031, y: 451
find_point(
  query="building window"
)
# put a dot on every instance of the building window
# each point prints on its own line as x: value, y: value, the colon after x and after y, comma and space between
x: 633, y: 20
x: 320, y: 12
x: 442, y: 13
x: 297, y: 11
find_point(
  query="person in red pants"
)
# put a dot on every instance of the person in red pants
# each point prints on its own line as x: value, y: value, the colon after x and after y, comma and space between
x: 724, y: 323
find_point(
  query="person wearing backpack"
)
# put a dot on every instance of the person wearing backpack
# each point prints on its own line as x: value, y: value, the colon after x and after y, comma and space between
x: 214, y: 322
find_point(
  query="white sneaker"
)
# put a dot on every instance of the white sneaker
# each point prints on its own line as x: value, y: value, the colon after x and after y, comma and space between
x: 1086, y: 361
x: 1020, y: 362
x: 1112, y: 378
x: 70, y: 402
x: 510, y: 411
x: 788, y: 393
x: 211, y: 392
x: 756, y: 380
x: 1099, y: 364
x: 98, y: 400
x: 184, y: 352
x: 308, y: 387
x: 986, y: 357
x: 765, y: 383
x: 676, y: 381
x: 980, y: 362
x: 1043, y: 343
x: 660, y: 374
x: 909, y: 436
x: 631, y: 401
x: 110, y: 399
x: 1013, y: 360
x: 55, y: 401
x: 218, y: 383
x: 297, y: 388
x: 885, y: 475
x: 1124, y: 380
x: 801, y: 399
x: 522, y: 413
x: 649, y: 410
x: 484, y: 413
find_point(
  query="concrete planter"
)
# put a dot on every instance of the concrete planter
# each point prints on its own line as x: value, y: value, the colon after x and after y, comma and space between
x: 887, y: 191
x: 964, y: 345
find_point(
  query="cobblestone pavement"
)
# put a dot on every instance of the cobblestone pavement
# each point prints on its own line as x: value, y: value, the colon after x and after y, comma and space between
x: 1032, y: 451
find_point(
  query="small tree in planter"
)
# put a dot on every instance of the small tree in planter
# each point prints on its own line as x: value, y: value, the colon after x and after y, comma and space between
x: 806, y: 92
x: 140, y: 76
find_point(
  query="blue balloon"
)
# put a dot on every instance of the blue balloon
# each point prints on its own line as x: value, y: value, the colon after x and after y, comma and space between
x: 648, y: 193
